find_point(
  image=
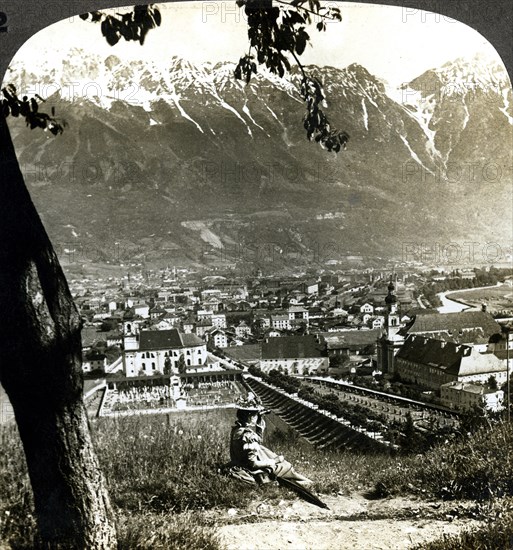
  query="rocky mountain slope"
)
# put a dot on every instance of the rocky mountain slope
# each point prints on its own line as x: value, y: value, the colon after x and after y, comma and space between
x: 183, y: 163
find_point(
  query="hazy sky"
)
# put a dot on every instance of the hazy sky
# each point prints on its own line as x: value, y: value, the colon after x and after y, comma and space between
x: 393, y: 43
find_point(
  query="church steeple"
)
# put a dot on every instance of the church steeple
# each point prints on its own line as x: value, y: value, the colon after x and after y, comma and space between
x: 391, y: 299
x: 392, y: 339
x: 392, y: 315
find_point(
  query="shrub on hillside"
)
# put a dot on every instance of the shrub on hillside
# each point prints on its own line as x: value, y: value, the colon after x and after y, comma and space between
x: 476, y: 467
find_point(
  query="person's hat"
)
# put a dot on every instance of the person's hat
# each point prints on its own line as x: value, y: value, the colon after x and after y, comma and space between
x: 251, y: 403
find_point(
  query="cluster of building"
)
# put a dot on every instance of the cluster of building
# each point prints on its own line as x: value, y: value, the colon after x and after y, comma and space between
x: 206, y: 328
x: 464, y: 356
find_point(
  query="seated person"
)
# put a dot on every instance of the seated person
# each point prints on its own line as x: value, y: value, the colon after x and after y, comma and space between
x: 251, y: 461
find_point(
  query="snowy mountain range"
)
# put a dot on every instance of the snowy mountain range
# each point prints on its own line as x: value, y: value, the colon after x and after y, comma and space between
x: 182, y: 162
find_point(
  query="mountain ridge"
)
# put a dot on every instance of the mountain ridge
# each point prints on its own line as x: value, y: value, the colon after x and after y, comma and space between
x: 184, y: 143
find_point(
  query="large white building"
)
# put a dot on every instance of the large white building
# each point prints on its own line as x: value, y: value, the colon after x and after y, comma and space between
x: 302, y: 355
x: 155, y: 351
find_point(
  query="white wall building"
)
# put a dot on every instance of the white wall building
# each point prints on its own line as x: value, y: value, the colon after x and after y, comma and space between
x: 281, y: 322
x: 462, y: 396
x: 219, y: 338
x: 149, y: 353
x: 299, y: 355
x: 219, y: 320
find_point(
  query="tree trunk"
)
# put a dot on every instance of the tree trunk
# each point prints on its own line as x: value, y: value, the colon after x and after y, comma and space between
x: 40, y: 369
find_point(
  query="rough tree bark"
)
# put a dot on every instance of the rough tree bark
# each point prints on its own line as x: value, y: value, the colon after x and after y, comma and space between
x: 40, y: 369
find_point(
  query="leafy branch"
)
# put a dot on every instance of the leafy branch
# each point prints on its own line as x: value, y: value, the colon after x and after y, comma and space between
x: 12, y: 105
x: 329, y: 13
x: 277, y: 33
x: 133, y: 25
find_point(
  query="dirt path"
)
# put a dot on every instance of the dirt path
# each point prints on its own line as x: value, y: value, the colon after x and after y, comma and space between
x: 352, y: 523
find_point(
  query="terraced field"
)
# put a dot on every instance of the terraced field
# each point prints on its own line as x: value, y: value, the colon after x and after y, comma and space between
x: 321, y: 430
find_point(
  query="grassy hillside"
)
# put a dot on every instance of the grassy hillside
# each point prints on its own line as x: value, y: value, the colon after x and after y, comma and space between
x: 164, y: 474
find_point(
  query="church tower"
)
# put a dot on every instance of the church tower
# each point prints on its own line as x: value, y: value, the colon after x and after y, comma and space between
x: 392, y: 315
x: 390, y: 343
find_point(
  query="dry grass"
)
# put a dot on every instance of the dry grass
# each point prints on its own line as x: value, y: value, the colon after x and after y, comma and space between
x: 165, y: 468
x: 151, y: 531
x: 163, y: 474
x: 497, y: 534
x: 477, y: 466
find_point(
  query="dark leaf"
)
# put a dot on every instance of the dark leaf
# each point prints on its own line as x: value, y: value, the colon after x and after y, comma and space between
x: 147, y: 22
x: 105, y: 27
x: 109, y: 30
x: 334, y: 13
x: 157, y: 17
x: 257, y: 5
x: 294, y: 18
x: 301, y: 40
x: 112, y: 37
x: 140, y: 13
x: 314, y: 5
